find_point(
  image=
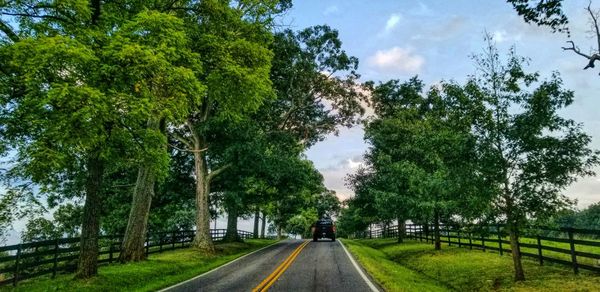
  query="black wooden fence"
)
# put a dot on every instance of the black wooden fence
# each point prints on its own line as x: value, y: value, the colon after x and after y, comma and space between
x: 28, y: 260
x: 576, y: 248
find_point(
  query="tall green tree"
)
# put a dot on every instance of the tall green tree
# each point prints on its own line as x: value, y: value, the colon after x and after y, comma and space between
x: 528, y: 152
x: 70, y: 107
x: 420, y: 161
x: 55, y: 112
x: 153, y: 58
x: 233, y: 38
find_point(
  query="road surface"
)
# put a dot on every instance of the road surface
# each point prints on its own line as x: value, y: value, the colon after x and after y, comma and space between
x: 289, y: 265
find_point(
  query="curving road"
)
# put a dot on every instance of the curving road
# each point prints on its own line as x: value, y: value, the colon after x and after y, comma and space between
x: 289, y: 265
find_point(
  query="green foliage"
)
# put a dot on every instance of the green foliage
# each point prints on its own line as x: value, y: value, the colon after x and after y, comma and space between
x: 543, y: 13
x: 585, y: 219
x: 529, y: 153
x: 66, y: 222
x: 422, y: 157
x: 310, y: 69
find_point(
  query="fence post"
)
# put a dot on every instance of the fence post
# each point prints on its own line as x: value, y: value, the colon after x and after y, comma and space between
x: 55, y: 263
x: 539, y: 246
x: 16, y: 274
x: 483, y: 242
x: 448, y: 234
x: 470, y: 241
x: 147, y: 245
x: 499, y: 239
x: 573, y: 255
x: 160, y: 241
x: 111, y: 250
x: 173, y: 240
x: 458, y: 235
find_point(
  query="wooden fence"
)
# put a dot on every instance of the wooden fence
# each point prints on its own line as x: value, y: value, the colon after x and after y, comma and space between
x: 28, y: 260
x: 576, y: 248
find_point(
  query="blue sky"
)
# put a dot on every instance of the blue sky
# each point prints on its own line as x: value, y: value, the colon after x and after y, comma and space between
x: 434, y: 39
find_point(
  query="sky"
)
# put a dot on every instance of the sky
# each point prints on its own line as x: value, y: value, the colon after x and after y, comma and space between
x: 434, y: 40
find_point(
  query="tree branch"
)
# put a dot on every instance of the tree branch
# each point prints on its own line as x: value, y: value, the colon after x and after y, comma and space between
x: 6, y: 29
x: 36, y: 16
x: 188, y: 150
x: 182, y: 139
x: 575, y: 49
x: 595, y: 20
x: 218, y: 171
x: 195, y: 137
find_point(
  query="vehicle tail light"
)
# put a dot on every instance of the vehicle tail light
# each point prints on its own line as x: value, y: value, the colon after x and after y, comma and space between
x: 333, y: 228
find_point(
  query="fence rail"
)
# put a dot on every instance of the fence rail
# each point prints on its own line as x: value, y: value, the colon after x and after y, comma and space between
x: 576, y: 248
x: 28, y: 260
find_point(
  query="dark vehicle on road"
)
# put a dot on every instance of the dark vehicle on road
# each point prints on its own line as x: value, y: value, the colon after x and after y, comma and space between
x: 323, y: 228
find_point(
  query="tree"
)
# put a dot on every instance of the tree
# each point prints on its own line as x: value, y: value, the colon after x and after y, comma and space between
x: 594, y: 55
x: 161, y: 69
x: 69, y: 124
x: 528, y: 152
x: 327, y: 204
x: 421, y: 157
x: 233, y: 39
x: 316, y: 84
x: 543, y: 13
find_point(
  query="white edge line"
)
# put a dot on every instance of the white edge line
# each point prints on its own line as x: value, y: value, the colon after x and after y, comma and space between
x: 367, y: 280
x: 217, y: 268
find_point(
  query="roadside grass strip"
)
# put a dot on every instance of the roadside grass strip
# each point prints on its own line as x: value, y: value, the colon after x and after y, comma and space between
x: 270, y: 280
x: 461, y: 269
x: 388, y: 274
x: 159, y: 271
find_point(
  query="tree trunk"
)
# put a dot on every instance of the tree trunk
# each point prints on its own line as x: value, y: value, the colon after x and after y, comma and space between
x: 135, y: 235
x: 202, y: 239
x: 279, y: 232
x: 90, y: 227
x: 516, y: 253
x: 512, y: 225
x: 401, y: 229
x: 436, y: 229
x: 264, y: 223
x: 256, y: 219
x: 232, y: 232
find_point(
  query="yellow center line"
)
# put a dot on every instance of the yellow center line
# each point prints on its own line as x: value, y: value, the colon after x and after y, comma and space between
x: 270, y: 280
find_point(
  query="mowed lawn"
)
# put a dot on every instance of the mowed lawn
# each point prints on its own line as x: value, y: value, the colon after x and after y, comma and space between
x: 159, y: 271
x: 416, y: 266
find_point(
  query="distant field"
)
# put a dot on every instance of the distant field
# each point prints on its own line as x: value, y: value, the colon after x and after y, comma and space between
x: 416, y: 266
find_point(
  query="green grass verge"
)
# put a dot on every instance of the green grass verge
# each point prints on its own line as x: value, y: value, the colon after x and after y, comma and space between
x: 159, y: 271
x: 453, y: 268
x: 389, y: 274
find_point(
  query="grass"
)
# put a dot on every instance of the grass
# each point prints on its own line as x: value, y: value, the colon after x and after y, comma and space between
x: 453, y: 268
x: 159, y: 271
x: 547, y: 253
x: 389, y: 274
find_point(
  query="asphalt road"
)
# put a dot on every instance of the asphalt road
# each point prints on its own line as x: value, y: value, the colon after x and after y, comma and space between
x: 289, y: 265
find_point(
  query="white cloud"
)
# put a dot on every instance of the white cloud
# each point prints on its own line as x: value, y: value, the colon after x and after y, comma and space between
x: 397, y: 60
x: 392, y: 22
x: 354, y: 164
x: 421, y: 10
x: 331, y: 10
x: 501, y: 36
